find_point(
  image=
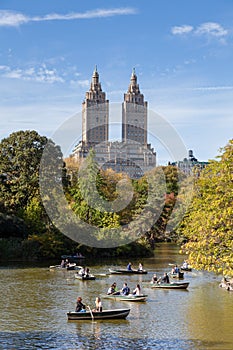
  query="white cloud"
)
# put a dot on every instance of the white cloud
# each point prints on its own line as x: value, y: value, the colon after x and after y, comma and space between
x: 13, y: 19
x: 180, y: 30
x: 212, y: 29
x: 10, y: 18
x: 39, y: 74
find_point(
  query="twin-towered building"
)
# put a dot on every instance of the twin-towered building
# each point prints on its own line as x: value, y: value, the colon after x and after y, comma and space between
x: 132, y: 155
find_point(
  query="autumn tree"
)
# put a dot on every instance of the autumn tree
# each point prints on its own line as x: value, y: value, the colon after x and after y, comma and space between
x: 89, y: 194
x: 208, y: 225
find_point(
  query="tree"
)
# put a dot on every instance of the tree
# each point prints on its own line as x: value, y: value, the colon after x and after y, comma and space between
x: 20, y: 155
x: 89, y: 196
x: 208, y: 225
x: 20, y: 163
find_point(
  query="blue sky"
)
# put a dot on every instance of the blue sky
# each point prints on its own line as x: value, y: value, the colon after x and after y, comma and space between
x: 182, y: 52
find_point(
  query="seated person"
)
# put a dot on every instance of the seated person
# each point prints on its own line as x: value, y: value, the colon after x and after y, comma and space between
x: 82, y: 271
x: 176, y: 269
x: 111, y: 290
x: 98, y: 305
x: 80, y: 307
x: 165, y: 278
x: 87, y: 272
x: 137, y: 290
x: 140, y: 267
x: 154, y: 279
x: 116, y: 291
x: 129, y: 267
x: 125, y: 290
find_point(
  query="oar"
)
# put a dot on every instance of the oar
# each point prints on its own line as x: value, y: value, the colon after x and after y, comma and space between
x: 91, y: 312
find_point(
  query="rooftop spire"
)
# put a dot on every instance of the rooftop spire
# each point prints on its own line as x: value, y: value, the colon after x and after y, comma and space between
x: 133, y: 79
x: 95, y: 70
x: 95, y: 84
x: 133, y: 86
x: 95, y: 73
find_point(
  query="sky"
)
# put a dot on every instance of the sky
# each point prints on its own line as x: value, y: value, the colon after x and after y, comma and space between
x: 181, y: 50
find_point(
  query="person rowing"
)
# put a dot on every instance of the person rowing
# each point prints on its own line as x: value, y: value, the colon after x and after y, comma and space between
x: 80, y: 307
x: 112, y: 290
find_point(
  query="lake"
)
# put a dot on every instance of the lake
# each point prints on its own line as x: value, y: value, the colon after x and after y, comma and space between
x: 34, y: 302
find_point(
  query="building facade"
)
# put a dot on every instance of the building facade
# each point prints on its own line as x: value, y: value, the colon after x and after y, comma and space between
x: 132, y: 155
x: 134, y: 114
x: 95, y: 118
x: 189, y: 164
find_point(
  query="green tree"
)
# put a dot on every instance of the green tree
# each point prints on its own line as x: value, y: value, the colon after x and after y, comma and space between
x: 20, y: 155
x: 88, y: 196
x: 20, y: 162
x: 208, y: 225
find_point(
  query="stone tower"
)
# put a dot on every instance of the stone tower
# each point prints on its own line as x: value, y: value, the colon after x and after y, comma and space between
x: 134, y: 114
x: 132, y: 155
x: 95, y: 114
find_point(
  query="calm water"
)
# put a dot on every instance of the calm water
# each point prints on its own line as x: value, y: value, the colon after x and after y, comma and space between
x: 34, y: 302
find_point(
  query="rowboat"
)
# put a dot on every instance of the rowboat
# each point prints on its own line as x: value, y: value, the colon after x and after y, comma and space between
x: 171, y: 285
x: 96, y: 315
x: 130, y: 297
x: 85, y: 277
x: 182, y: 267
x: 127, y: 272
x: 70, y: 266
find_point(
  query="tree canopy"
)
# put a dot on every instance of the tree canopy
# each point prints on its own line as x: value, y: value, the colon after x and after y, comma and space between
x: 20, y: 160
x: 20, y: 155
x: 208, y: 225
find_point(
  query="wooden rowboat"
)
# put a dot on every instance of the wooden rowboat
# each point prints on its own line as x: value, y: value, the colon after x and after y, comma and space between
x: 94, y: 315
x: 127, y: 272
x: 172, y: 285
x: 129, y: 297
